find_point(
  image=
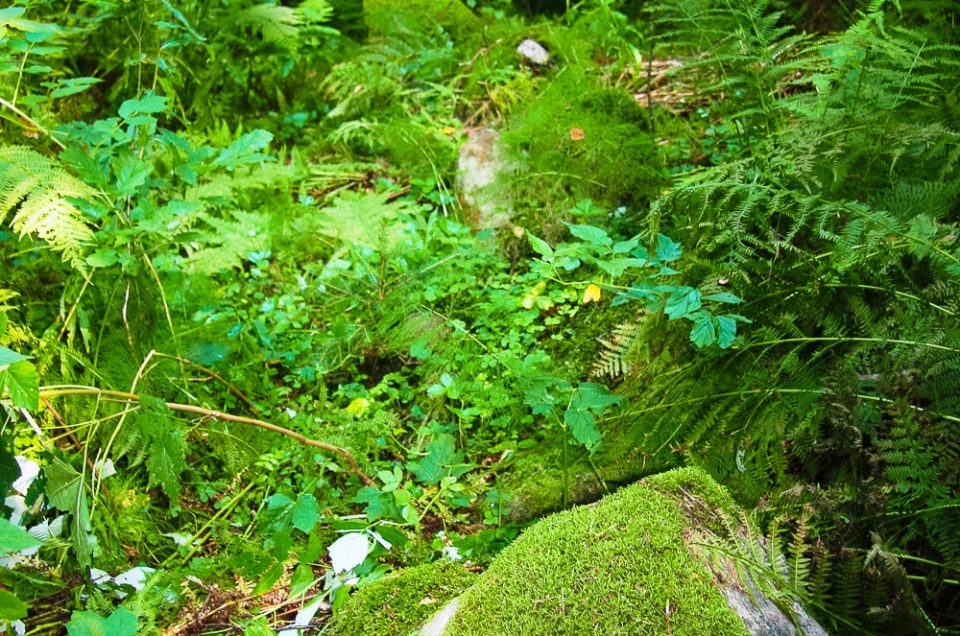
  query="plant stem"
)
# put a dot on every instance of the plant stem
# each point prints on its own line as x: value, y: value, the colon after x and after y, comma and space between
x: 353, y: 468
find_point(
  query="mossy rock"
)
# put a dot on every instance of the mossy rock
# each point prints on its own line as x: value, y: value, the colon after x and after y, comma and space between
x: 537, y: 485
x: 580, y: 140
x: 623, y: 566
x: 400, y: 603
x: 394, y: 17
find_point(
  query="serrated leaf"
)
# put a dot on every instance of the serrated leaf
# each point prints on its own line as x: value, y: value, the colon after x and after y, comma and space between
x: 11, y: 608
x: 440, y: 454
x: 13, y: 538
x: 668, y: 249
x: 149, y: 103
x: 617, y: 266
x: 245, y: 150
x: 591, y: 395
x: 703, y: 333
x: 724, y: 297
x: 165, y: 447
x: 23, y: 384
x: 682, y: 302
x: 541, y: 247
x: 582, y: 427
x: 305, y: 513
x: 590, y: 234
x: 727, y: 331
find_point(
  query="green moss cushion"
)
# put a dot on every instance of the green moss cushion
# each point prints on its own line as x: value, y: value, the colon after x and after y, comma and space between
x: 400, y: 603
x: 623, y: 566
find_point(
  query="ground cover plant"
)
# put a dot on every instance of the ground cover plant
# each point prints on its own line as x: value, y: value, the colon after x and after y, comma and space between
x: 257, y: 355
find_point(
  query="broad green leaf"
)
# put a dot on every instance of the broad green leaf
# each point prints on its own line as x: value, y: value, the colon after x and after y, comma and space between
x: 591, y: 395
x: 582, y: 427
x: 703, y: 333
x: 617, y: 266
x: 433, y: 467
x: 245, y: 150
x: 590, y: 234
x: 66, y: 493
x: 305, y: 513
x: 682, y: 302
x: 8, y: 357
x: 147, y: 104
x: 11, y: 608
x: 9, y: 14
x: 727, y: 331
x: 269, y: 579
x: 724, y: 297
x: 668, y: 249
x: 122, y: 622
x: 131, y: 173
x: 301, y: 580
x: 23, y: 384
x: 624, y: 247
x: 541, y: 247
x: 14, y: 538
x: 74, y: 85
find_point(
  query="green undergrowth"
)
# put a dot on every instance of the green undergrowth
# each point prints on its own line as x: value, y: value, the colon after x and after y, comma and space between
x: 244, y: 316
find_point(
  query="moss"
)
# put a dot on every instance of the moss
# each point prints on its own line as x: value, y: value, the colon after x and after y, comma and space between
x: 398, y: 603
x: 620, y: 567
x: 580, y: 140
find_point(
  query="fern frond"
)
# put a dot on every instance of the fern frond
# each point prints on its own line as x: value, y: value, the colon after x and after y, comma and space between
x: 42, y: 195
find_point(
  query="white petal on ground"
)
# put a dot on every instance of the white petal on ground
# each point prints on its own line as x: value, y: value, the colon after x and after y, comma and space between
x: 348, y: 551
x: 29, y: 470
x: 304, y: 617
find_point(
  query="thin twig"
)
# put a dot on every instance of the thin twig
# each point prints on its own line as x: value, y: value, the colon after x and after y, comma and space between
x: 57, y: 391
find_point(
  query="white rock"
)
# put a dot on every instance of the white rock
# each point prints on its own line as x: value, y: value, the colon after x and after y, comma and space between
x: 533, y: 51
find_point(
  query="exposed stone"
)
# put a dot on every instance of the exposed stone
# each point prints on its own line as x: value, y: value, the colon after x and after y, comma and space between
x: 534, y: 52
x: 480, y: 161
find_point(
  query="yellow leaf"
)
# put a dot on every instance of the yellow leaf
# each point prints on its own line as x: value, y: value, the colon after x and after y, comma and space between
x: 358, y: 406
x: 592, y: 294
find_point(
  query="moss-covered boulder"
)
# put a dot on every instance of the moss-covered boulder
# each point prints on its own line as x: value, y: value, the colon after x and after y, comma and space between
x: 623, y: 566
x: 653, y: 558
x: 400, y: 603
x: 395, y: 17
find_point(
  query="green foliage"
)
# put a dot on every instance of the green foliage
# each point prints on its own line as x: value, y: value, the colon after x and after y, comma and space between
x: 44, y: 196
x: 250, y: 222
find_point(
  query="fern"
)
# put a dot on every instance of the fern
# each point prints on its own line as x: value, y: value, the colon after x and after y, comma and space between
x: 44, y: 199
x: 612, y: 361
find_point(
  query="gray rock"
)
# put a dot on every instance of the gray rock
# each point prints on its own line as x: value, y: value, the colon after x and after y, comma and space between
x: 534, y: 52
x: 438, y: 624
x: 479, y: 163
